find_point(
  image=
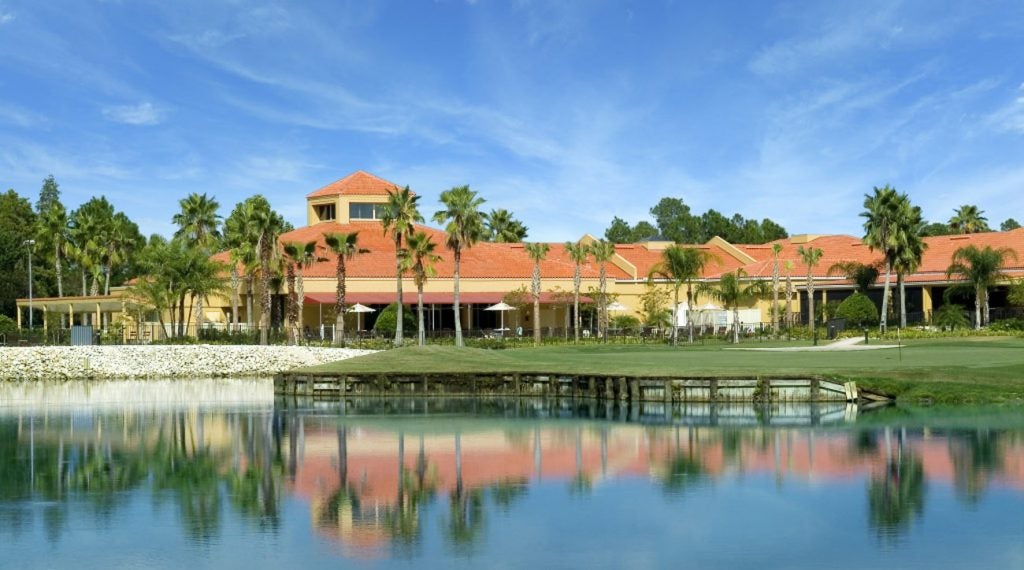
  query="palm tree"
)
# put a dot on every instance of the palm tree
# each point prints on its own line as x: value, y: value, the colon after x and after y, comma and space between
x: 502, y: 227
x: 731, y: 292
x: 602, y: 251
x: 968, y: 219
x: 297, y: 255
x: 53, y: 230
x: 578, y: 254
x: 464, y: 228
x: 681, y: 265
x: 420, y: 259
x: 776, y: 250
x: 881, y: 211
x: 810, y: 256
x: 400, y: 216
x: 267, y: 226
x: 788, y: 264
x: 980, y: 269
x: 122, y: 239
x: 198, y: 222
x: 241, y: 243
x: 199, y: 225
x: 863, y: 275
x: 345, y: 246
x: 909, y: 250
x: 537, y: 252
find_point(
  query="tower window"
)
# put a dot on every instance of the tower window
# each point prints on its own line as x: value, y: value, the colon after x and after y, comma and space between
x: 362, y: 211
x: 326, y: 212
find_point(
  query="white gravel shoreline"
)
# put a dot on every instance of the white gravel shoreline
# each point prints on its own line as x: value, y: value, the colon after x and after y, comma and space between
x: 185, y: 361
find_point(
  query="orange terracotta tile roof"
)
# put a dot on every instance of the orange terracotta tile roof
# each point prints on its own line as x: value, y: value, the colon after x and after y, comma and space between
x: 644, y: 259
x: 358, y: 183
x: 840, y: 248
x: 482, y: 261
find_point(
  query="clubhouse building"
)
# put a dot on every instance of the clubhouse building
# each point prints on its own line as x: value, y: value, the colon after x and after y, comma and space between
x: 494, y: 272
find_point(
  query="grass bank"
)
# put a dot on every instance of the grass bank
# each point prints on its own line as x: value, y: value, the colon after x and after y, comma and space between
x: 960, y: 370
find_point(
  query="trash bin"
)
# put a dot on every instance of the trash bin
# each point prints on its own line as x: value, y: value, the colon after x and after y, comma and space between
x: 832, y: 332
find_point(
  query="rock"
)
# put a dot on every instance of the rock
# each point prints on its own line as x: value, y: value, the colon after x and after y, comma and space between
x: 163, y: 361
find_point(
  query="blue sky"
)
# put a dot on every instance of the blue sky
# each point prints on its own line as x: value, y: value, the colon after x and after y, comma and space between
x: 565, y: 112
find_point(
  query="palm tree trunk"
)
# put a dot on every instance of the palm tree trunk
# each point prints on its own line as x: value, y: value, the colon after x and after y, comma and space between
x: 536, y: 306
x: 986, y: 313
x: 811, y: 320
x: 977, y: 307
x: 106, y: 279
x: 422, y: 336
x: 199, y: 315
x: 903, y: 300
x: 59, y: 270
x: 455, y: 297
x: 399, y: 336
x: 234, y: 298
x: 775, y: 299
x: 885, y: 299
x: 300, y: 293
x: 789, y: 300
x: 290, y: 310
x: 339, y: 306
x: 675, y: 318
x: 736, y: 324
x: 264, y: 295
x: 689, y: 310
x: 602, y: 317
x: 248, y: 299
x: 576, y: 303
x: 181, y: 315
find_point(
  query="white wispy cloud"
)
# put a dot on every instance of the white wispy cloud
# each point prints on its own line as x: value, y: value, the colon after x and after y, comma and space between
x: 143, y: 114
x: 6, y: 17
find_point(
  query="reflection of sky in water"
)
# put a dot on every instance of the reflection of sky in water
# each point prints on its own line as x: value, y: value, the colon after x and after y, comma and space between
x: 197, y: 486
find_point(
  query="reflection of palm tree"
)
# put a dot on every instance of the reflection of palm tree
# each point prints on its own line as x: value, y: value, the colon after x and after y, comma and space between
x: 684, y: 470
x: 896, y: 496
x: 465, y: 508
x: 976, y: 457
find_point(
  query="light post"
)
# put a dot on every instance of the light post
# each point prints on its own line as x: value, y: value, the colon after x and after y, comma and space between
x: 29, y: 243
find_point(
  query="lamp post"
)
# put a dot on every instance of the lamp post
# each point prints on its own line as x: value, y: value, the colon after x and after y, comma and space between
x: 29, y: 243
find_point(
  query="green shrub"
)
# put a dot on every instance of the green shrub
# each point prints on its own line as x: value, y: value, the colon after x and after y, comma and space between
x: 1008, y: 325
x: 8, y: 325
x: 858, y: 311
x: 490, y: 343
x: 950, y: 317
x: 387, y: 321
x: 625, y: 322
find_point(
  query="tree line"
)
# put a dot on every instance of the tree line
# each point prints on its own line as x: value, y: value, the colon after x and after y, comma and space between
x: 673, y: 221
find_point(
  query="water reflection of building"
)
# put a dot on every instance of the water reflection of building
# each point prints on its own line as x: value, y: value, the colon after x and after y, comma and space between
x: 385, y: 475
x: 370, y: 482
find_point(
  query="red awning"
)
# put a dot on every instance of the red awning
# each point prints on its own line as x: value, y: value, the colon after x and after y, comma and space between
x: 467, y: 298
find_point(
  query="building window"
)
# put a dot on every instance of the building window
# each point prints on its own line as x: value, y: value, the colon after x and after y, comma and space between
x: 357, y: 211
x: 326, y: 212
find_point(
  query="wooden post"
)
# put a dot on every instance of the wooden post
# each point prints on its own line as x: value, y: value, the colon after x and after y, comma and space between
x: 713, y: 389
x: 634, y: 390
x: 592, y: 388
x: 667, y: 397
x: 623, y: 389
x: 815, y: 395
x: 609, y: 390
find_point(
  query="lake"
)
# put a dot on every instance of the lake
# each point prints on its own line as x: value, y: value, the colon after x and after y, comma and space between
x: 219, y: 474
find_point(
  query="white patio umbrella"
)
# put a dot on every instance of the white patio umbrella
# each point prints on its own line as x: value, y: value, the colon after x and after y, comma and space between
x: 502, y: 306
x: 617, y: 306
x: 359, y: 309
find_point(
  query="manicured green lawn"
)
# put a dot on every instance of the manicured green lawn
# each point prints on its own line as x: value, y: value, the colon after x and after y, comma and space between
x: 981, y: 369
